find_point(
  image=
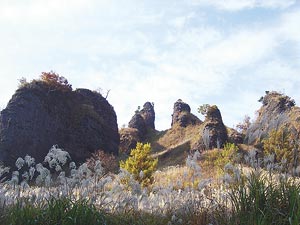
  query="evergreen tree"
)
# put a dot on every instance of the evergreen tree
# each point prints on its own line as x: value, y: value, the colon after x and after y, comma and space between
x: 141, y: 164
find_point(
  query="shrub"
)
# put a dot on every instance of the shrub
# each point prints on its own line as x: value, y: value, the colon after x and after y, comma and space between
x: 141, y: 164
x: 203, y: 109
x: 220, y: 157
x: 108, y: 161
x: 281, y: 144
x: 22, y: 82
x: 56, y: 81
x: 243, y: 126
x: 256, y: 199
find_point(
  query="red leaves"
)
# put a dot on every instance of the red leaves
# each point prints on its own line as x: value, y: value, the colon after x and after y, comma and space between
x: 55, y: 80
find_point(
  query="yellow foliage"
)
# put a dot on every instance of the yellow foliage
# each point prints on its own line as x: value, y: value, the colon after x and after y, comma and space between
x: 218, y: 158
x: 140, y: 164
x: 279, y: 143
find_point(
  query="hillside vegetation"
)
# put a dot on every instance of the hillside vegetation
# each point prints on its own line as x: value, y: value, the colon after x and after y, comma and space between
x: 195, y: 173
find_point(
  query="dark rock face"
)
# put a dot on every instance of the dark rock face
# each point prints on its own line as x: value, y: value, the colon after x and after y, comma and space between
x: 138, y: 122
x: 129, y: 137
x: 235, y: 137
x: 39, y: 116
x: 182, y: 115
x: 148, y: 114
x: 277, y: 110
x: 143, y: 120
x: 214, y: 133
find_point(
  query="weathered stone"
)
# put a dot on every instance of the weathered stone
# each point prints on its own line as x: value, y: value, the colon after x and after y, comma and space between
x: 235, y: 137
x: 148, y: 114
x: 143, y: 120
x: 138, y: 122
x: 129, y: 137
x: 39, y: 116
x: 277, y: 110
x: 182, y: 115
x: 214, y: 133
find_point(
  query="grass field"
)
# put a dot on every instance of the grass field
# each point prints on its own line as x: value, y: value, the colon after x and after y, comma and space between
x: 242, y: 194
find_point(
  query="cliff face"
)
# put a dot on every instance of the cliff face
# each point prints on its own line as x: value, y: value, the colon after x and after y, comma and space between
x: 277, y: 110
x: 40, y: 115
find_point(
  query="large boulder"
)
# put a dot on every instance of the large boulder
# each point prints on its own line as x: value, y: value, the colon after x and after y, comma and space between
x: 277, y: 110
x: 214, y: 132
x: 182, y: 115
x: 40, y: 115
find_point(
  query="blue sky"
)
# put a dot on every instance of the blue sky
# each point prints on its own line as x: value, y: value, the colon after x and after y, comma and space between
x: 217, y: 52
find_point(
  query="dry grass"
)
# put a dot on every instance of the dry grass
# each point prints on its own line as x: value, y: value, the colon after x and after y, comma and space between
x: 178, y: 135
x: 171, y: 174
x: 172, y: 146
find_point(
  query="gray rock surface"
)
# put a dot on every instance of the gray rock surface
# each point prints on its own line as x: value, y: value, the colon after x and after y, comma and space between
x: 39, y: 116
x: 148, y: 114
x: 138, y: 122
x: 277, y: 110
x: 143, y: 120
x: 214, y: 133
x: 182, y: 115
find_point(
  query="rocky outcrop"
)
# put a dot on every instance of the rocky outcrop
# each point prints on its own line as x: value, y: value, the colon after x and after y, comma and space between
x: 143, y: 120
x: 277, y: 110
x: 137, y: 122
x: 235, y: 137
x: 148, y: 115
x: 129, y: 137
x: 214, y: 132
x: 40, y: 115
x: 182, y: 115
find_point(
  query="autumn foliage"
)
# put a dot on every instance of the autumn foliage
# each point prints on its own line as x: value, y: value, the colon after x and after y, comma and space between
x: 141, y: 164
x: 108, y: 161
x: 56, y: 81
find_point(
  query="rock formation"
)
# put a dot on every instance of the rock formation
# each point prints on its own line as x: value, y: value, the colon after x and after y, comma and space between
x: 214, y: 132
x: 277, y: 110
x: 235, y: 137
x: 137, y: 122
x: 182, y: 115
x: 40, y: 115
x: 143, y: 120
x: 129, y: 137
x: 148, y: 114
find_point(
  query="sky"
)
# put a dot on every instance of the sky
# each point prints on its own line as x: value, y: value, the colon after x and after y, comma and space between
x: 222, y: 52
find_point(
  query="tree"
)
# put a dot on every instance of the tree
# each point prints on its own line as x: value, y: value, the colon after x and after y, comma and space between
x: 22, y: 82
x: 243, y: 126
x: 140, y: 164
x: 203, y: 109
x: 56, y: 81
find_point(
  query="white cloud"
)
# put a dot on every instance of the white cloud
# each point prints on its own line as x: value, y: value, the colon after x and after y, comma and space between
x: 240, y: 49
x: 235, y: 5
x: 289, y: 27
x: 152, y: 51
x: 38, y: 12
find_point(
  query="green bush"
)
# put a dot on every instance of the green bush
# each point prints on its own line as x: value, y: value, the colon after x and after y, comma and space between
x: 61, y: 211
x: 141, y: 164
x: 218, y: 158
x: 257, y: 200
